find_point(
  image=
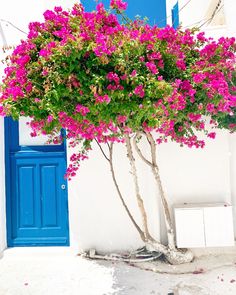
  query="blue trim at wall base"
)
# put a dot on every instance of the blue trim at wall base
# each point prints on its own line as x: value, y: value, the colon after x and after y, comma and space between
x: 29, y: 242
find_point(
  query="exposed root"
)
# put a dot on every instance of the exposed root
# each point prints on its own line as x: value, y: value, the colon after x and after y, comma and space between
x: 173, y: 257
x: 141, y: 255
x: 179, y: 256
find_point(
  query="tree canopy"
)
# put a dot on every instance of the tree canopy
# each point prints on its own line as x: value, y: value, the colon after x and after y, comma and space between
x: 101, y: 78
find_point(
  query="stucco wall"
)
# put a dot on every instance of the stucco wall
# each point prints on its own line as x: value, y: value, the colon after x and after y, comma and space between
x: 189, y: 15
x: 97, y: 219
x: 192, y: 12
x: 232, y: 156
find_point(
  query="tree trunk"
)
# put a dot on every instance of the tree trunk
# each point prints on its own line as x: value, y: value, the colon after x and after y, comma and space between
x: 136, y: 185
x: 173, y: 255
x: 141, y: 233
x: 156, y: 174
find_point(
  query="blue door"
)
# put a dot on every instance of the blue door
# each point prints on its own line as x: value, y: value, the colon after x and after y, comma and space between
x: 37, y: 207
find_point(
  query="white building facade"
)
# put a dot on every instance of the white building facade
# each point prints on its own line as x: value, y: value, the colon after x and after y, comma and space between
x: 96, y: 217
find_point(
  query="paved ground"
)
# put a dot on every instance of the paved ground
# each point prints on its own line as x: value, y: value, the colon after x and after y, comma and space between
x: 55, y: 273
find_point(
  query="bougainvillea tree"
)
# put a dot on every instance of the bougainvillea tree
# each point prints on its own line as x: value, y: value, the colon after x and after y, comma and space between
x: 110, y: 82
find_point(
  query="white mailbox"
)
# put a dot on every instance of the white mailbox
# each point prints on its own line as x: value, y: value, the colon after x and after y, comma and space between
x: 204, y: 225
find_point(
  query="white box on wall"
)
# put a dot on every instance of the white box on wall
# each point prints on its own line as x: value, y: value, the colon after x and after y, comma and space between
x: 204, y: 225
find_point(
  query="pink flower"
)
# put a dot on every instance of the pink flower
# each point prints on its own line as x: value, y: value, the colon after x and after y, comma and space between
x: 101, y: 99
x: 44, y: 72
x: 123, y: 77
x: 211, y: 135
x: 29, y: 87
x: 23, y: 60
x: 58, y: 9
x: 198, y: 78
x: 200, y: 106
x: 113, y: 77
x: 201, y: 37
x: 181, y: 65
x: 154, y: 56
x: 210, y: 107
x: 118, y: 4
x: 44, y: 53
x: 121, y: 119
x: 139, y: 91
x: 49, y: 15
x: 49, y: 118
x: 194, y: 117
x: 2, y: 113
x: 142, y: 59
x: 82, y: 109
x: 134, y: 73
x: 100, y: 7
x: 51, y: 45
x: 152, y: 67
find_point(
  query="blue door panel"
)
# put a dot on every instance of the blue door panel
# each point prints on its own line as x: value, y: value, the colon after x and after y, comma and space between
x: 26, y: 205
x: 50, y: 210
x: 37, y: 206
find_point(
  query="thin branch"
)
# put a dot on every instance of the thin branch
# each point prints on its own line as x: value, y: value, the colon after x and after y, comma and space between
x: 104, y: 154
x: 108, y: 145
x: 141, y: 233
x: 4, y: 40
x: 139, y: 151
x: 14, y: 26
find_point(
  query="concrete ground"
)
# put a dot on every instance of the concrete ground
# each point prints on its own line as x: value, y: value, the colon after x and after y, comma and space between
x: 54, y: 271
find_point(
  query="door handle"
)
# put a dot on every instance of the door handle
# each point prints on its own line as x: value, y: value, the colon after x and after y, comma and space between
x: 63, y: 186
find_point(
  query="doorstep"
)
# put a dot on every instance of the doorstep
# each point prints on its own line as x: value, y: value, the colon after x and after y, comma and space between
x: 39, y: 252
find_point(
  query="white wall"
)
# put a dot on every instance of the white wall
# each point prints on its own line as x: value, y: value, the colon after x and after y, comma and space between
x: 232, y: 156
x: 191, y: 12
x: 229, y: 10
x: 169, y: 5
x: 216, y: 31
x: 97, y: 218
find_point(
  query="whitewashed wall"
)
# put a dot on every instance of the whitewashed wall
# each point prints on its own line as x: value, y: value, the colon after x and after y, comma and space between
x: 97, y: 218
x: 192, y: 14
x: 189, y: 175
x: 169, y: 5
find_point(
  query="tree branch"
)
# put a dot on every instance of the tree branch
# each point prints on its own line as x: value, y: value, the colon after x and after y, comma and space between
x: 104, y: 154
x: 139, y: 151
x: 155, y: 171
x: 137, y: 190
x: 141, y: 233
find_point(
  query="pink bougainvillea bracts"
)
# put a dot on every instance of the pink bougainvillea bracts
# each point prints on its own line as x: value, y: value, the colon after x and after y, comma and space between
x: 101, y: 79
